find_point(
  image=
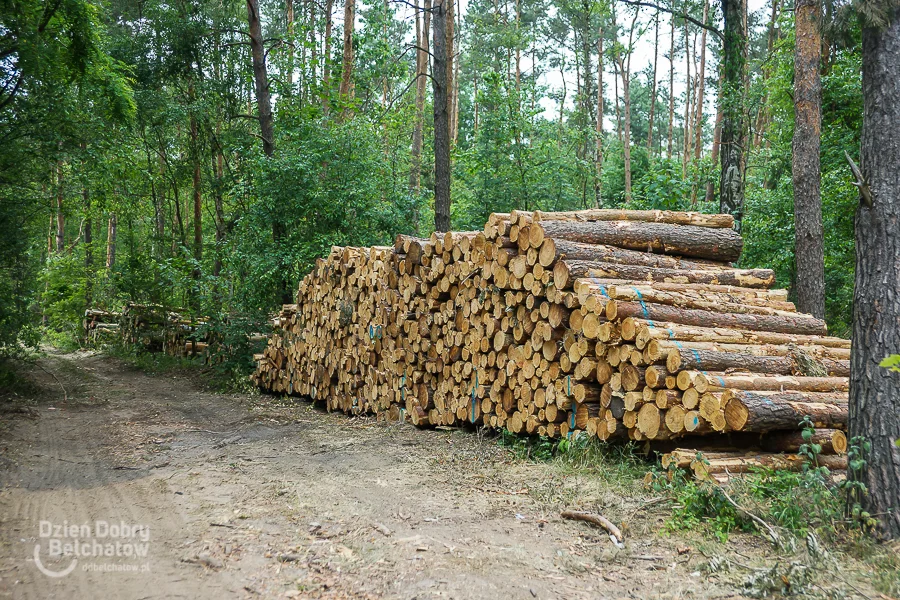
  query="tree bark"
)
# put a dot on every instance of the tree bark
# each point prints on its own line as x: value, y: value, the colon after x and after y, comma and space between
x: 875, y: 391
x: 809, y: 251
x: 439, y: 72
x: 266, y: 122
x: 88, y: 245
x: 423, y: 25
x: 261, y: 78
x: 60, y: 217
x: 111, y: 238
x: 653, y: 87
x: 598, y: 150
x: 198, y: 198
x: 326, y: 68
x: 731, y: 185
x: 346, y: 90
x: 671, y: 89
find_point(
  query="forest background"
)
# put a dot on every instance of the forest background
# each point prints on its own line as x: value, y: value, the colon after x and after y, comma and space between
x: 136, y: 163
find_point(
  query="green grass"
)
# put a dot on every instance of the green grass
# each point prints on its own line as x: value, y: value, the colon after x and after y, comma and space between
x: 581, y: 453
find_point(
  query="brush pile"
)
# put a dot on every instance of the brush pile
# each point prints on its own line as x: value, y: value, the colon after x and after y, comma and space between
x: 619, y: 324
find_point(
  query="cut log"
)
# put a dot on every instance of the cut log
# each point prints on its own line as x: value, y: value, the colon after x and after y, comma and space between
x: 715, y: 360
x: 752, y: 411
x: 796, y: 324
x: 832, y: 441
x: 655, y: 216
x: 565, y: 272
x: 650, y: 330
x: 684, y: 240
x: 552, y: 250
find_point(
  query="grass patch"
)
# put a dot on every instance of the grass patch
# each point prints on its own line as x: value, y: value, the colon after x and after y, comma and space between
x: 581, y: 453
x: 214, y: 378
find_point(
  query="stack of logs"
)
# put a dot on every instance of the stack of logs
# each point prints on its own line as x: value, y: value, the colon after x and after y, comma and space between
x: 155, y: 329
x: 616, y: 323
x: 100, y: 327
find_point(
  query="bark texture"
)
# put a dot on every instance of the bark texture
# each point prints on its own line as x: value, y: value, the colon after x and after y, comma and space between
x: 875, y: 391
x: 685, y: 240
x: 439, y: 70
x: 731, y: 186
x: 809, y: 248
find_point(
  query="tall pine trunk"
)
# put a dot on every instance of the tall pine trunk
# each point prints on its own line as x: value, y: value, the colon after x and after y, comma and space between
x: 671, y: 90
x: 439, y: 71
x: 60, y: 216
x: 346, y: 90
x: 731, y: 185
x: 875, y: 391
x: 423, y: 25
x: 653, y: 87
x: 326, y: 67
x: 598, y: 181
x: 266, y: 124
x: 809, y: 248
x: 111, y: 239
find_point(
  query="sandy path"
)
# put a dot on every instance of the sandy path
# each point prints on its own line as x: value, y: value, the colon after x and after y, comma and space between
x: 247, y: 497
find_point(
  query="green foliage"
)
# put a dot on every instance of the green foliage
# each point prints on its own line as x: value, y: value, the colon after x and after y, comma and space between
x: 795, y: 501
x: 891, y: 363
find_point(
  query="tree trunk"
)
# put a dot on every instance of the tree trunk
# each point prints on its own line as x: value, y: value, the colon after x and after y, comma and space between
x: 220, y: 211
x: 875, y: 391
x: 439, y: 72
x: 346, y: 90
x: 326, y: 68
x: 717, y: 137
x: 701, y: 85
x: 198, y: 199
x: 626, y: 91
x: 289, y: 18
x: 731, y: 186
x: 60, y: 217
x: 452, y: 60
x: 111, y: 235
x: 261, y: 78
x: 598, y: 181
x: 266, y: 124
x: 686, y: 129
x: 423, y: 25
x: 653, y: 87
x: 809, y: 240
x: 671, y: 90
x: 88, y: 245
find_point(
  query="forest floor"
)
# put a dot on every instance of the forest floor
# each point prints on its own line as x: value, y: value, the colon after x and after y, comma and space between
x: 249, y: 496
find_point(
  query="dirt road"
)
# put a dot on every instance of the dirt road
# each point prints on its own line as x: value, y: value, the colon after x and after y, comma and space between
x: 252, y: 497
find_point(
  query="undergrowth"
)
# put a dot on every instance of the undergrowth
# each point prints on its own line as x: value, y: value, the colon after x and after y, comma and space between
x: 579, y: 453
x: 213, y: 377
x: 809, y: 500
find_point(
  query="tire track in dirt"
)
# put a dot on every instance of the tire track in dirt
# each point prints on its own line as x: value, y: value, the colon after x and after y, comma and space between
x: 251, y: 497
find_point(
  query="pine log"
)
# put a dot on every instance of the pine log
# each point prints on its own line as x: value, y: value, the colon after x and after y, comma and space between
x: 704, y: 469
x: 832, y: 441
x: 565, y: 272
x: 752, y: 411
x: 684, y: 240
x: 682, y: 332
x: 794, y: 324
x: 713, y: 360
x: 657, y: 216
x: 552, y: 250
